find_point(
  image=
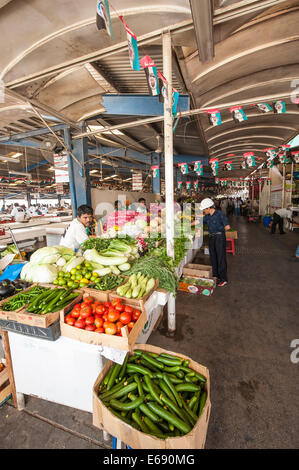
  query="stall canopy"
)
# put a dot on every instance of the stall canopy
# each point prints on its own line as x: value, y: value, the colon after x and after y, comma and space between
x: 59, y: 70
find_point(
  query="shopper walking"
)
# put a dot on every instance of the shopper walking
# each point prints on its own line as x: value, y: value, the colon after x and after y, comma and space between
x: 238, y: 203
x: 278, y: 217
x: 217, y: 225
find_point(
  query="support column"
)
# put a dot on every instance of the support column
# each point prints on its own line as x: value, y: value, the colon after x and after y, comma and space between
x: 168, y: 159
x: 67, y: 138
x: 283, y: 184
x: 79, y: 173
x: 28, y: 199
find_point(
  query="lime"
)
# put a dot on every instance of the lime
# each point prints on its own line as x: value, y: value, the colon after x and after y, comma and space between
x: 56, y: 282
x: 95, y: 274
x: 75, y: 285
x: 73, y: 271
x: 84, y: 280
x: 87, y: 264
x: 90, y: 269
x: 70, y: 284
x: 78, y: 277
x: 62, y: 282
x: 82, y: 284
x: 60, y: 274
x: 87, y: 275
x: 92, y: 279
x: 73, y: 278
x: 67, y: 275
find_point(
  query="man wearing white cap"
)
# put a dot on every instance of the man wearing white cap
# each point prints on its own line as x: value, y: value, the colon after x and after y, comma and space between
x: 217, y: 223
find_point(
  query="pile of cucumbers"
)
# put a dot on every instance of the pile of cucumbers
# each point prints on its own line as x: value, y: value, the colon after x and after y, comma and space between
x: 51, y: 300
x: 157, y: 394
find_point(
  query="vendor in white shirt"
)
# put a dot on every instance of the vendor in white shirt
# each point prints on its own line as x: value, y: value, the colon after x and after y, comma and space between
x: 18, y: 213
x: 77, y: 231
x: 278, y: 217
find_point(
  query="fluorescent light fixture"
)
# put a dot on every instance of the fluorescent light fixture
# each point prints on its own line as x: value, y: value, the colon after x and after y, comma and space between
x: 101, y: 131
x: 93, y: 171
x: 128, y: 179
x: 51, y: 168
x: 5, y: 159
x: 15, y: 155
x: 13, y: 172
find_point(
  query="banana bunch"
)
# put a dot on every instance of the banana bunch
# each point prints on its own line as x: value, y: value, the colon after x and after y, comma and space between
x: 137, y: 286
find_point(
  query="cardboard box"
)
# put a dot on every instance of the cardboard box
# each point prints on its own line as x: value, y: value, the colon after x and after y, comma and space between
x: 137, y: 302
x: 194, y: 289
x: 125, y: 342
x: 104, y: 419
x: 105, y: 293
x: 199, y: 270
x: 233, y: 234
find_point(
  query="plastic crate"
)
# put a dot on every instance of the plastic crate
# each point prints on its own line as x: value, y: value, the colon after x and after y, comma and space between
x: 51, y: 333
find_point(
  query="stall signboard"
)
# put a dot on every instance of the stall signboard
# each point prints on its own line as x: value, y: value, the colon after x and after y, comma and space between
x: 61, y: 168
x: 137, y: 181
x: 276, y: 197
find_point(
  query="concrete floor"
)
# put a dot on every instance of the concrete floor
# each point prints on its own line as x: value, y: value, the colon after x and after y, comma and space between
x: 242, y: 333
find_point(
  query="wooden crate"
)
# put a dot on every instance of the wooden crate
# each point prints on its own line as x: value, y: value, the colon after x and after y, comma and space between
x: 138, y: 303
x: 125, y: 342
x: 105, y: 293
x: 5, y: 315
x: 5, y: 388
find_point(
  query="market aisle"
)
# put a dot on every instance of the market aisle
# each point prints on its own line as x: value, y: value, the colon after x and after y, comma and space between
x: 242, y: 333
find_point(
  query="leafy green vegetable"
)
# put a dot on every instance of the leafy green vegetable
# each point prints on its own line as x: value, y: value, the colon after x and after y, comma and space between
x: 98, y: 243
x: 108, y: 282
x: 156, y: 268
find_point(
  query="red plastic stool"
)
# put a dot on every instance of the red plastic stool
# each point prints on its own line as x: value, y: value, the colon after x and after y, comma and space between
x: 231, y: 247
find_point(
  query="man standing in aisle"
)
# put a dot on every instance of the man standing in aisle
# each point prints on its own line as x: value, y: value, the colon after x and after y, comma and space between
x: 217, y: 224
x: 278, y: 217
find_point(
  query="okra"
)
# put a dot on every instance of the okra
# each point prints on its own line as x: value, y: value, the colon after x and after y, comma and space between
x: 140, y: 423
x: 152, y: 361
x: 189, y: 387
x: 166, y: 390
x: 144, y: 363
x: 139, y: 369
x: 145, y: 409
x: 152, y: 390
x: 154, y: 429
x: 202, y: 402
x: 169, y: 356
x: 169, y: 362
x: 132, y: 405
x: 123, y: 391
x: 123, y: 368
x: 172, y: 389
x: 139, y: 386
x: 114, y: 374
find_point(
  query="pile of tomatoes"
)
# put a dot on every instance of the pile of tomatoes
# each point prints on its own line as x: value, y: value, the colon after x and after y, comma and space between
x: 102, y: 317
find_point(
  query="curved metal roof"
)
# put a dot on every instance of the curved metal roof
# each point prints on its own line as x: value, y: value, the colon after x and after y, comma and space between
x: 55, y: 58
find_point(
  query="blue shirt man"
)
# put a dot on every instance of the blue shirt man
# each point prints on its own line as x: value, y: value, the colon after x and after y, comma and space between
x: 217, y: 224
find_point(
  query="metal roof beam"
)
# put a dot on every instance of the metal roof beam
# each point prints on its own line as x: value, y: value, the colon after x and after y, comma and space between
x: 32, y: 133
x: 202, y: 14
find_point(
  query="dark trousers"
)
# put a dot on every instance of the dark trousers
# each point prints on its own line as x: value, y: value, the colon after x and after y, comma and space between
x: 277, y: 220
x: 217, y: 248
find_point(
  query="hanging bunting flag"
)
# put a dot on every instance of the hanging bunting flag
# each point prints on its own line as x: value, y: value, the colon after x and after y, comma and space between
x: 175, y: 100
x: 184, y: 168
x: 229, y: 165
x: 264, y: 107
x: 198, y: 167
x: 214, y: 165
x: 103, y: 19
x: 250, y: 159
x: 156, y: 171
x: 151, y: 74
x: 195, y: 185
x: 163, y: 86
x: 180, y: 184
x: 282, y: 158
x: 132, y: 46
x: 188, y: 184
x: 270, y: 152
x: 295, y: 157
x: 285, y: 147
x: 279, y: 107
x: 216, y: 180
x: 214, y: 117
x: 238, y: 114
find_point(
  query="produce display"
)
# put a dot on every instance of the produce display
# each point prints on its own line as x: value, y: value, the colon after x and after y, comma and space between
x: 45, y: 263
x: 51, y: 300
x: 156, y: 268
x: 136, y: 287
x: 12, y: 250
x: 102, y: 317
x: 77, y: 273
x: 22, y: 299
x: 197, y: 282
x: 157, y: 394
x: 9, y: 288
x: 107, y: 282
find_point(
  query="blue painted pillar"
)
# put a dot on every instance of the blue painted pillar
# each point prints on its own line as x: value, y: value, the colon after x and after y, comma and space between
x: 79, y: 173
x: 156, y: 182
x: 28, y: 199
x: 67, y: 138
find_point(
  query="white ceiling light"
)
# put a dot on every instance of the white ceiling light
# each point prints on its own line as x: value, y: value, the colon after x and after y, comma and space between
x: 128, y: 179
x: 12, y: 172
x: 93, y: 171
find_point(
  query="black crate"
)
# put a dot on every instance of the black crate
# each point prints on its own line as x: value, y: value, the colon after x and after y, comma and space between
x: 51, y: 333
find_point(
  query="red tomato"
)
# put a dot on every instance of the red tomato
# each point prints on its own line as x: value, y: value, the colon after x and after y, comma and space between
x: 97, y: 302
x: 110, y: 329
x: 79, y: 324
x: 90, y: 320
x: 71, y: 321
x: 131, y: 325
x: 77, y: 307
x: 90, y: 327
x: 100, y: 309
x: 93, y: 308
x: 67, y: 316
x: 128, y: 309
x: 88, y: 300
x: 115, y: 302
x: 98, y: 322
x: 86, y: 309
x: 75, y: 313
x: 85, y: 313
x: 113, y: 315
x: 107, y: 304
x: 105, y: 316
x: 125, y: 318
x: 136, y: 314
x: 119, y: 326
x: 100, y: 330
x: 106, y: 323
x: 120, y: 308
